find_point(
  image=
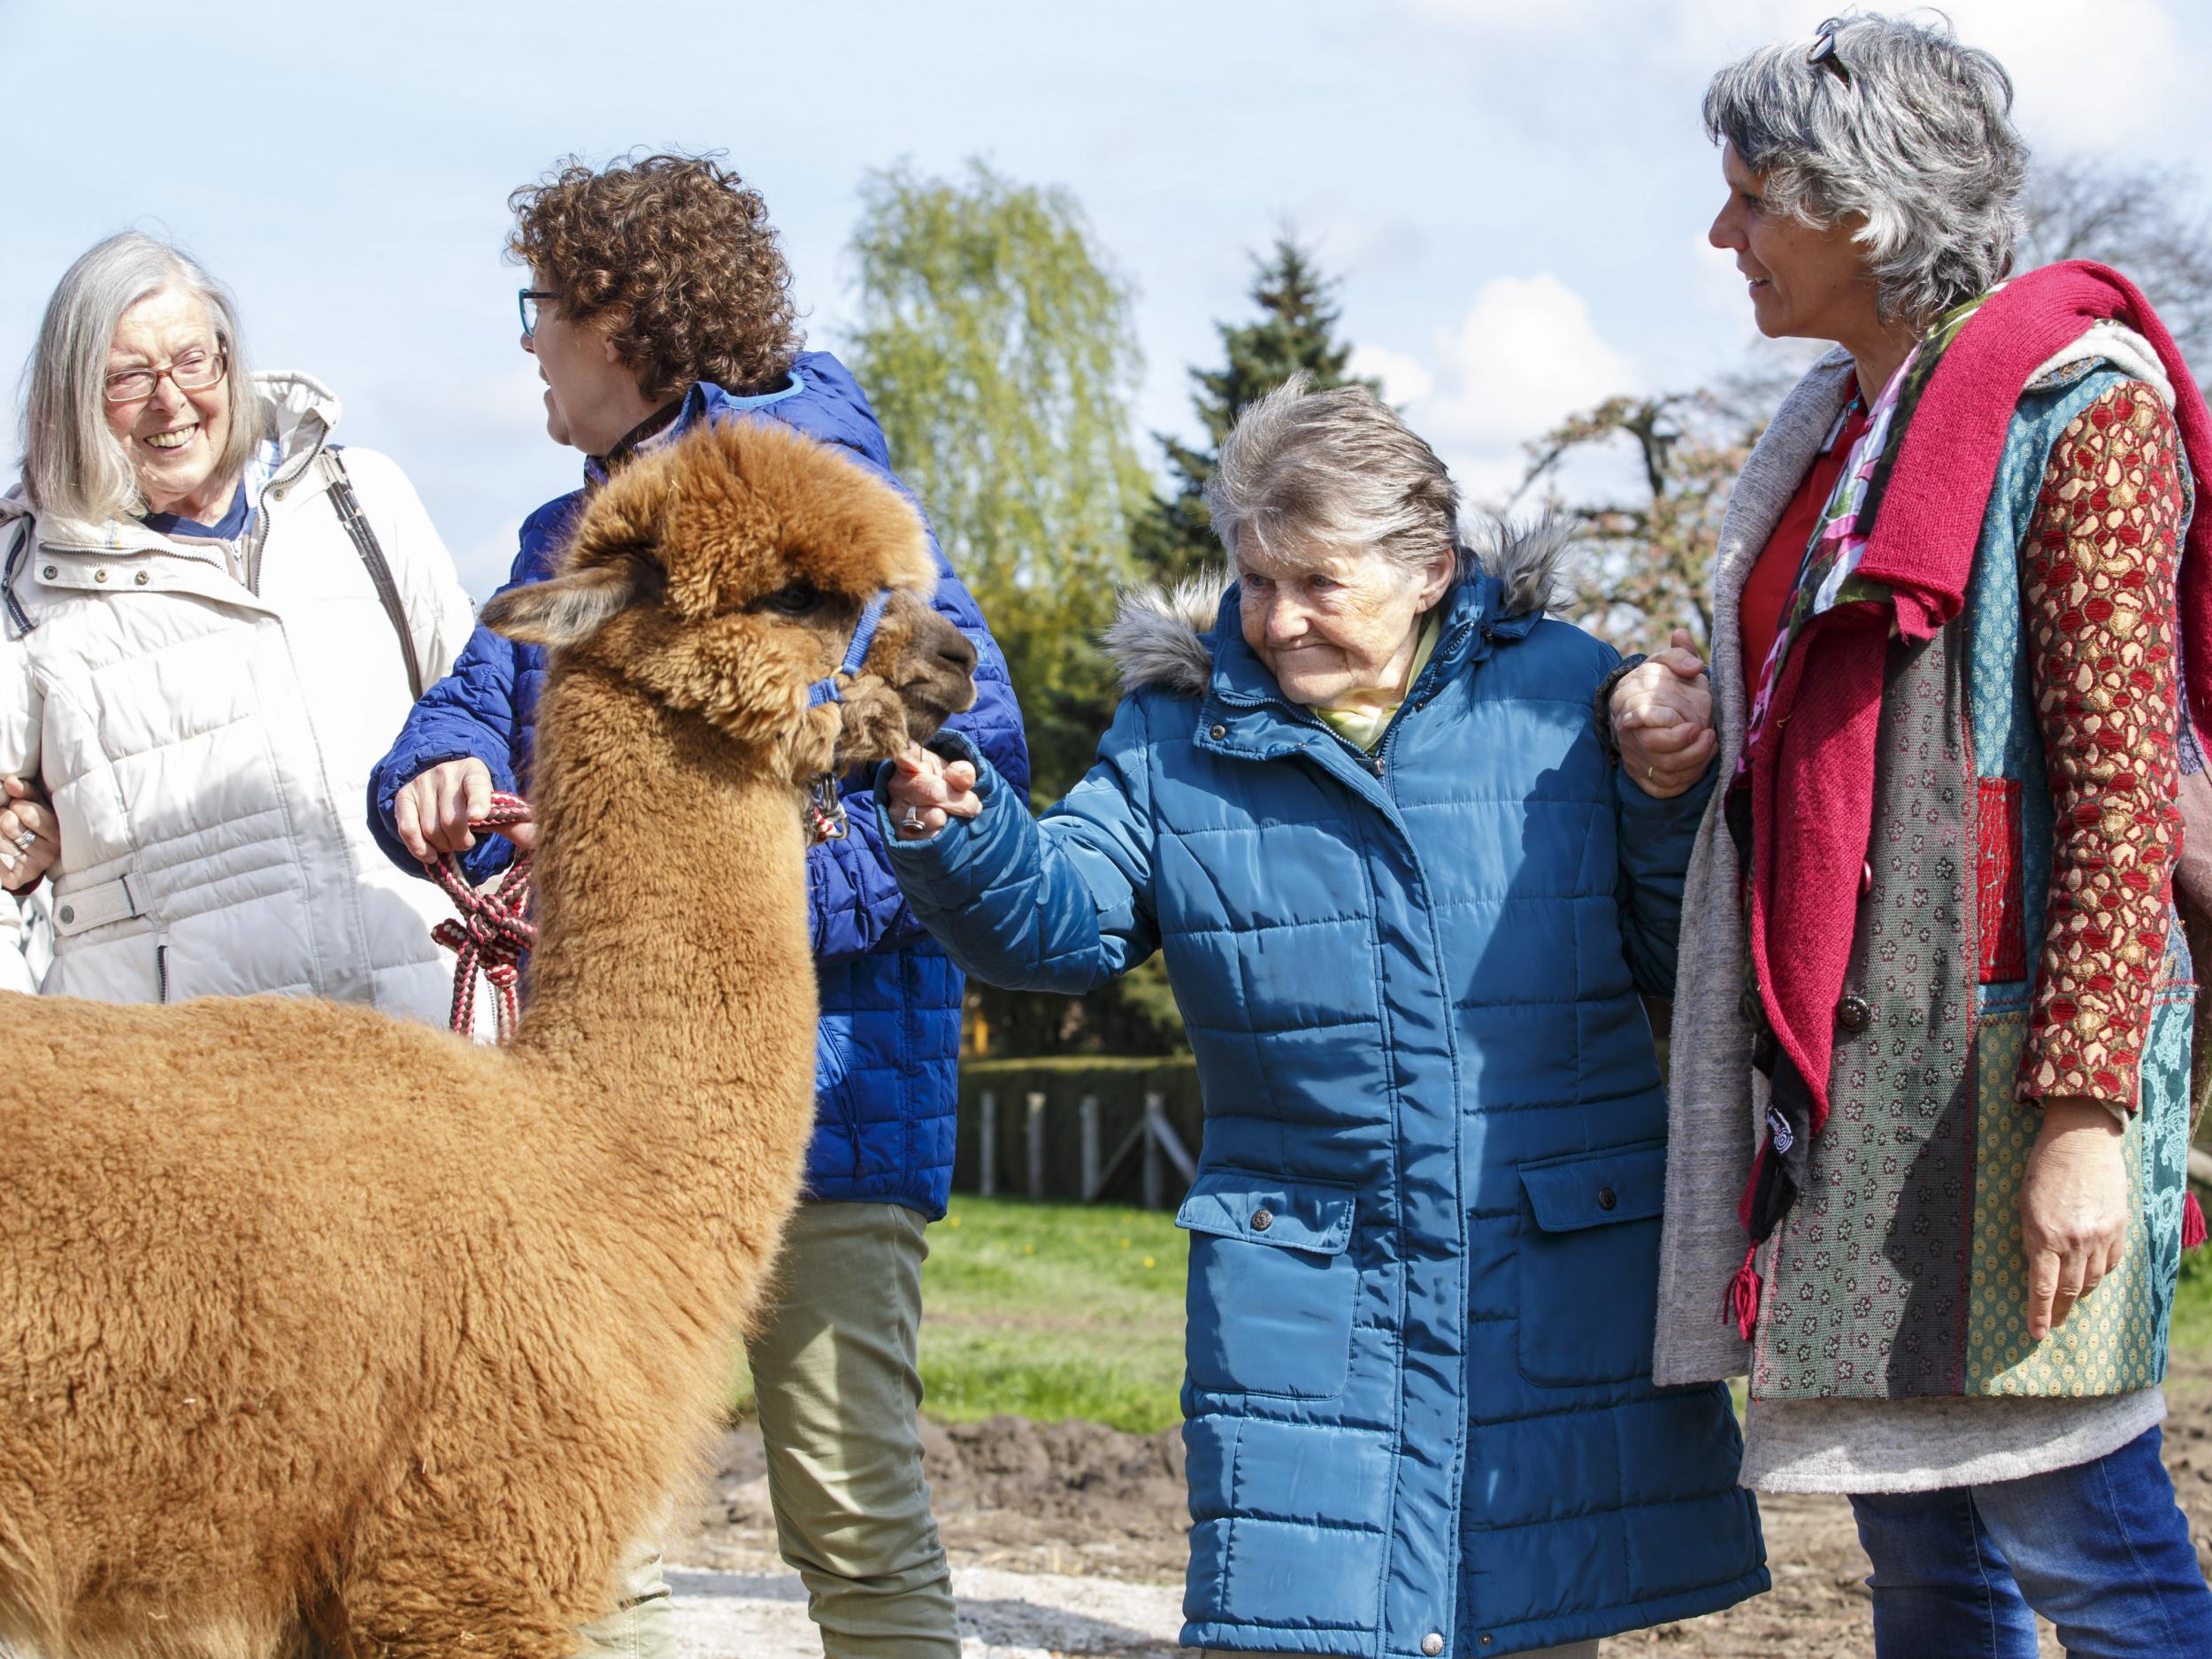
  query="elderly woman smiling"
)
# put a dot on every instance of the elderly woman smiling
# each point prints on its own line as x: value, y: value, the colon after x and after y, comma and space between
x: 1950, y: 599
x: 1407, y: 904
x: 211, y: 623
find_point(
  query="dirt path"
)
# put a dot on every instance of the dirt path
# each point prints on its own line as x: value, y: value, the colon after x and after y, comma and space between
x: 1069, y: 1539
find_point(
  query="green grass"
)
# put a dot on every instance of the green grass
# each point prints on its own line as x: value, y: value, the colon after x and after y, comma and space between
x: 1068, y: 1310
x: 1051, y: 1311
x: 2193, y: 1305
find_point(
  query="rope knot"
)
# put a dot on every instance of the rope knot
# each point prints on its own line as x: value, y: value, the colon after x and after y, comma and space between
x: 493, y: 931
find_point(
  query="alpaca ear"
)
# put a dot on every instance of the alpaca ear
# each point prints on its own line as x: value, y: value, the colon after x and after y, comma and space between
x: 570, y: 607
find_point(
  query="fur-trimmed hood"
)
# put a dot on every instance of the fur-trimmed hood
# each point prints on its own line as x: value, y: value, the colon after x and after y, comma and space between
x: 1161, y: 638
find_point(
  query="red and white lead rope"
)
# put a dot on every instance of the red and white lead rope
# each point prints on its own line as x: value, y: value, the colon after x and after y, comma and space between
x: 494, y: 931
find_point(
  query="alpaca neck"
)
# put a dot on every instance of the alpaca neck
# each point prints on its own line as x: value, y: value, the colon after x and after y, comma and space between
x: 673, y: 965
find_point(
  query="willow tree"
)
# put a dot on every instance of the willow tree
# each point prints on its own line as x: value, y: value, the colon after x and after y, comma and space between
x: 995, y: 340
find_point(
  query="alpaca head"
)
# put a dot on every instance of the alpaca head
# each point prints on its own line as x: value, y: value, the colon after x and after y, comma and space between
x: 724, y: 575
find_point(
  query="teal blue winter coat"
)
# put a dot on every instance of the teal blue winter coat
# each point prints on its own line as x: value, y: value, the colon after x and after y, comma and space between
x: 1424, y: 1230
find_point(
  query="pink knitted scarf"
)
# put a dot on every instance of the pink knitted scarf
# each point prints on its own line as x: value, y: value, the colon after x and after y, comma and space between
x: 1812, y: 760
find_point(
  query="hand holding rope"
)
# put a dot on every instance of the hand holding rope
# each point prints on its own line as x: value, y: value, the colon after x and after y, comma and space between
x: 494, y: 931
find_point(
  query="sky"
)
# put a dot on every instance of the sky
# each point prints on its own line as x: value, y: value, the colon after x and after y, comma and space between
x: 1514, y: 192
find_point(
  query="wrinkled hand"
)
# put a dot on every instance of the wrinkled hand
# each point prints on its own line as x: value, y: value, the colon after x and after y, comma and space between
x: 1663, y: 720
x: 432, y: 810
x: 928, y: 787
x: 2073, y: 1208
x: 23, y: 812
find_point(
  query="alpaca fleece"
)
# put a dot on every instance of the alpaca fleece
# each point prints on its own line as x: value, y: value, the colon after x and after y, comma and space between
x: 317, y: 1323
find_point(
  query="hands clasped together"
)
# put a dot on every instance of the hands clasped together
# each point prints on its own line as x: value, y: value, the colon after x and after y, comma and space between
x: 1662, y: 719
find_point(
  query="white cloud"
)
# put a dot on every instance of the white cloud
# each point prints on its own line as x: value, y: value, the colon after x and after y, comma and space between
x: 1525, y: 356
x: 2117, y: 81
x: 2095, y: 87
x: 1403, y: 380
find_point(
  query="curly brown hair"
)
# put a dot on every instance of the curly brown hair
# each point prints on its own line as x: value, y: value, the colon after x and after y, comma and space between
x: 683, y: 249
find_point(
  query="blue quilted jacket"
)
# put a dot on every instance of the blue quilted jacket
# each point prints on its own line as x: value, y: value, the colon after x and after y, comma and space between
x: 887, y: 1047
x: 1424, y: 1229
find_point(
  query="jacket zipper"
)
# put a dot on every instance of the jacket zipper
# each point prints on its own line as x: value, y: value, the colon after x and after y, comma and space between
x: 278, y: 483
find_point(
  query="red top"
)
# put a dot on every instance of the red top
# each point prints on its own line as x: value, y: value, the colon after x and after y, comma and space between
x: 1767, y: 589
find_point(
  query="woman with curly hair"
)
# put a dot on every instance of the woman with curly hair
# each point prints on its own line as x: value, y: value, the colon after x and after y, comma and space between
x: 658, y: 298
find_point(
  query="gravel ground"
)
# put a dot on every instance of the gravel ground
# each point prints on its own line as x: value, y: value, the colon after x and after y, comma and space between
x: 1068, y: 1539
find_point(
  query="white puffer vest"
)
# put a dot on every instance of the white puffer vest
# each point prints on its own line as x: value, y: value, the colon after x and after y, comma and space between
x: 207, y: 737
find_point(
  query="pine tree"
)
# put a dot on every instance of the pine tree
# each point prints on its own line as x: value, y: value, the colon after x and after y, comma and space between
x: 1296, y: 330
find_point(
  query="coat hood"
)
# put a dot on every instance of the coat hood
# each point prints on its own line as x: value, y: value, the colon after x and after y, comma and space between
x: 1161, y: 638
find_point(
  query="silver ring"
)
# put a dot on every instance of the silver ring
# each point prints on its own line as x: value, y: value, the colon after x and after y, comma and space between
x: 912, y: 820
x: 25, y: 840
x: 1648, y: 770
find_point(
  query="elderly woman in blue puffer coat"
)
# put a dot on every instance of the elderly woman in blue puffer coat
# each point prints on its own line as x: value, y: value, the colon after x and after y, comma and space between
x: 1411, y: 851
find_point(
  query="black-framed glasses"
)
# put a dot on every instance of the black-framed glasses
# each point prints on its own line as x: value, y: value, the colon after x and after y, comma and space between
x: 1823, y: 52
x: 527, y: 300
x: 192, y: 372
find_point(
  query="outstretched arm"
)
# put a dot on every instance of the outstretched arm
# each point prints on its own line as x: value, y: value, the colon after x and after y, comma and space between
x: 1064, y: 903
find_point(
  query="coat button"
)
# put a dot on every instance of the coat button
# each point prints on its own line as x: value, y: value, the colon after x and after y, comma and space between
x: 142, y: 579
x: 1217, y: 732
x: 48, y: 572
x: 1262, y: 1220
x: 1866, y: 878
x: 99, y: 576
x: 1855, y: 1013
x: 1432, y: 1644
x: 1607, y: 1198
x: 67, y: 913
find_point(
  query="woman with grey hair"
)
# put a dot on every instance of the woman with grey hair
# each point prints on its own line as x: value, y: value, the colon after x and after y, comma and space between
x: 1407, y: 900
x: 1932, y: 962
x: 212, y: 622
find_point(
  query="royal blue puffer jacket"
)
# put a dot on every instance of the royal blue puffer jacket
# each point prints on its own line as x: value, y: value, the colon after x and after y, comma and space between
x: 887, y: 1047
x: 1424, y: 1230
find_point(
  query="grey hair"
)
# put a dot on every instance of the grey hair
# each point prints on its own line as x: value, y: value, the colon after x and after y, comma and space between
x: 1337, y: 468
x: 1902, y: 126
x: 73, y: 467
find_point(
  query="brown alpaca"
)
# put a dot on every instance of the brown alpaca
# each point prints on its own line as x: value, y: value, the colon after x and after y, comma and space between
x: 318, y: 1328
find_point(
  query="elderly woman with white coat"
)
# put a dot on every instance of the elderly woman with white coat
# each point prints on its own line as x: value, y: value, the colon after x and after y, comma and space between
x: 211, y: 621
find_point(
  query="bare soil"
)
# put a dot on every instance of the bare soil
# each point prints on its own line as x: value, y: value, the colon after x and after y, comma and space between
x: 1080, y: 1499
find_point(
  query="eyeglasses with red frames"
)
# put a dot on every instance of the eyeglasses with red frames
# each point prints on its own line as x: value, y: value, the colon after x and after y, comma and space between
x: 192, y: 372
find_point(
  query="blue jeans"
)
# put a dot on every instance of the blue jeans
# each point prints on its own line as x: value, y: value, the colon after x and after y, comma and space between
x: 2102, y: 1550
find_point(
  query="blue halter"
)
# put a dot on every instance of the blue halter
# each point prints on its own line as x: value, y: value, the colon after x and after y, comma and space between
x: 825, y: 809
x: 832, y: 689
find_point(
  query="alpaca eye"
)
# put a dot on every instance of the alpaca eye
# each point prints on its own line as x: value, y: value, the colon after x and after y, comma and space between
x: 794, y: 600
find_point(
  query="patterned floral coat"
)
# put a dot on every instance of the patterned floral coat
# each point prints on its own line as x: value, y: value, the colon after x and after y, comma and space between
x: 2015, y: 939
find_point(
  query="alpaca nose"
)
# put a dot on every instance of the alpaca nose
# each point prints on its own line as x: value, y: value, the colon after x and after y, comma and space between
x: 957, y: 651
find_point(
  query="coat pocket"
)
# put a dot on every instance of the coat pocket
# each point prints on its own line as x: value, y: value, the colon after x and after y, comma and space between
x: 1271, y: 1285
x: 1588, y: 1266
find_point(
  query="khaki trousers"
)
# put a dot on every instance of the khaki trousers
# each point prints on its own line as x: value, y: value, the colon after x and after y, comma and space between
x: 835, y: 1379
